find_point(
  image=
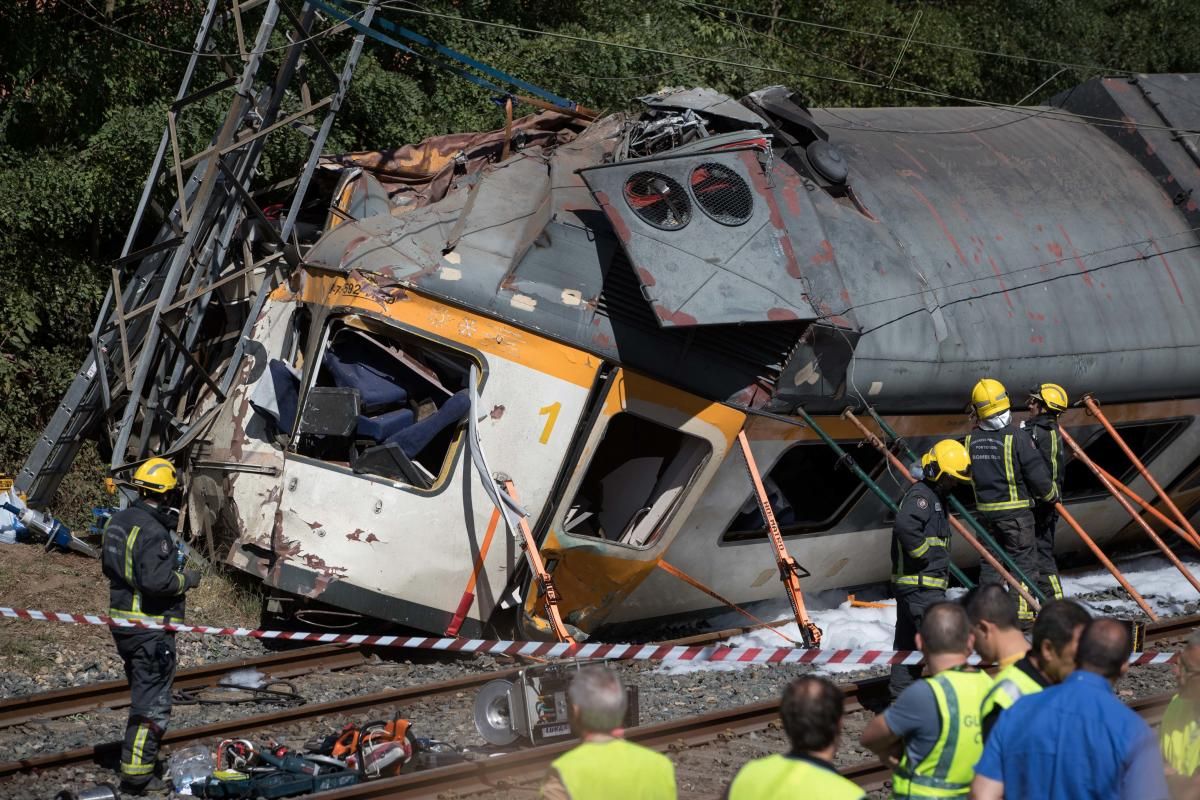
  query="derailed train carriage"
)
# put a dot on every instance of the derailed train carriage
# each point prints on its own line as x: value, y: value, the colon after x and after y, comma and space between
x: 630, y: 293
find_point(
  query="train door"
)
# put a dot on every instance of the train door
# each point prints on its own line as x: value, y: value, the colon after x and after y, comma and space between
x: 650, y: 453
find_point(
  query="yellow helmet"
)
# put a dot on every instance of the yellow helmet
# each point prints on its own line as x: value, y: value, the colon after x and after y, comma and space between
x: 989, y: 398
x: 156, y: 475
x: 1051, y: 395
x: 948, y: 457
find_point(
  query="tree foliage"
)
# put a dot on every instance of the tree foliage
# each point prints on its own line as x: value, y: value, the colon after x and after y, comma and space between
x: 85, y: 85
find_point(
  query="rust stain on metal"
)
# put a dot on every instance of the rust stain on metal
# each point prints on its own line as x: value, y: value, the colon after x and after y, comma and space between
x: 372, y: 539
x: 781, y: 314
x: 941, y: 224
x: 1036, y: 317
x: 825, y: 256
x: 911, y: 157
x: 1170, y: 272
x: 759, y: 179
x: 1087, y: 278
x: 618, y: 224
x: 355, y: 535
x: 674, y: 317
x: 497, y: 412
x: 645, y: 277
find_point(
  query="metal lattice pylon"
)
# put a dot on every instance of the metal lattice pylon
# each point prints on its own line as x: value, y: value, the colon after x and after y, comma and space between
x: 155, y: 353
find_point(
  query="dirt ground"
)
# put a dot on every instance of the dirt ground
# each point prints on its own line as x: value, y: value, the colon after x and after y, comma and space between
x: 32, y: 653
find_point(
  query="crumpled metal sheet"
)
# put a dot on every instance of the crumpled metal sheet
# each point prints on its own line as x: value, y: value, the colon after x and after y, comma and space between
x: 416, y: 175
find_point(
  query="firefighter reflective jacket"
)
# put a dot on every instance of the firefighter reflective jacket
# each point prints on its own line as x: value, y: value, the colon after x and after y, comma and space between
x: 140, y: 562
x: 920, y: 539
x: 949, y: 767
x: 1007, y: 471
x: 1043, y: 429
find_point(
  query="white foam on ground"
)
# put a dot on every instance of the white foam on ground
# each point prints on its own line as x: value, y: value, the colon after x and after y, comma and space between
x: 848, y: 627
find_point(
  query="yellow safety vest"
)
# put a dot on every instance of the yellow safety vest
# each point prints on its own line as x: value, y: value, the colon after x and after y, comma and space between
x: 1180, y: 736
x: 1012, y: 683
x: 950, y: 766
x: 616, y: 768
x: 778, y: 777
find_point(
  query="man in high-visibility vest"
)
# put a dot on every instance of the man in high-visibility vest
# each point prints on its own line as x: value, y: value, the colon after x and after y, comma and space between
x: 993, y: 615
x: 930, y: 735
x: 1046, y: 402
x: 811, y: 710
x: 1180, y: 731
x: 1047, y: 663
x: 604, y: 765
x: 921, y: 549
x: 1008, y: 474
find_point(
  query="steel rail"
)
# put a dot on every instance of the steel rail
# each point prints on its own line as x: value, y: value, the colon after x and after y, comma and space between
x: 752, y: 717
x: 109, y: 751
x: 115, y: 694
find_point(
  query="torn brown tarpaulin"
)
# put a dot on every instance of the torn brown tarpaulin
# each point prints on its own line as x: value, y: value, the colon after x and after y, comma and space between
x: 423, y: 172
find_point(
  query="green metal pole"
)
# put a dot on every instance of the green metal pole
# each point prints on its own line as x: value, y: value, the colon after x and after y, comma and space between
x: 848, y: 460
x: 961, y: 510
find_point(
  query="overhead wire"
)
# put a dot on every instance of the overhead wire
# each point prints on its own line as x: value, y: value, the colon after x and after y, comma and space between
x: 336, y: 28
x: 1042, y: 281
x: 924, y: 42
x: 1061, y: 115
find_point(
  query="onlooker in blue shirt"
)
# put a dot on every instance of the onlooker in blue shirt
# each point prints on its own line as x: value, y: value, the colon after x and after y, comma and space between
x: 1075, y: 741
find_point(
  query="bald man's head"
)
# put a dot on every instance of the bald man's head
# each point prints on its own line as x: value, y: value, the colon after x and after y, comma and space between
x: 945, y: 629
x: 1104, y: 647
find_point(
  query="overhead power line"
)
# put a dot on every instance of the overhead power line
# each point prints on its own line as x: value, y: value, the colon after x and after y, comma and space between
x: 1060, y: 115
x: 925, y: 42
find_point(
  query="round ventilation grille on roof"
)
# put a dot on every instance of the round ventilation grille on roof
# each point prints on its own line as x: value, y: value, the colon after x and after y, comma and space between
x: 722, y: 193
x: 659, y: 200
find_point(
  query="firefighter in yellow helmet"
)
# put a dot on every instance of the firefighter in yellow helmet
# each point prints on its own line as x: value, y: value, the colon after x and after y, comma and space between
x: 921, y: 548
x: 147, y: 582
x: 1009, y: 475
x: 1046, y: 402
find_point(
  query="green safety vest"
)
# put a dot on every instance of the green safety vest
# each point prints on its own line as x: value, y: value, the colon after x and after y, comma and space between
x: 950, y: 766
x: 1180, y: 736
x: 781, y: 776
x: 616, y: 768
x: 1012, y: 683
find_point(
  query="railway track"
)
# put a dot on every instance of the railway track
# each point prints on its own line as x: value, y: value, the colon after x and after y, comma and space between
x: 115, y: 694
x: 474, y: 775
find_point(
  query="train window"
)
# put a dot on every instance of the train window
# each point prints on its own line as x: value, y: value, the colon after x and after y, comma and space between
x: 639, y: 474
x: 384, y: 402
x: 808, y: 491
x: 1145, y: 439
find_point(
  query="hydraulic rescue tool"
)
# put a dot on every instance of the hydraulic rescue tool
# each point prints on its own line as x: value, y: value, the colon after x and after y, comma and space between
x: 57, y: 534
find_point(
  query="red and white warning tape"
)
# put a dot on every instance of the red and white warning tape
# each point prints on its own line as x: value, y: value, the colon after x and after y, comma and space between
x: 623, y: 652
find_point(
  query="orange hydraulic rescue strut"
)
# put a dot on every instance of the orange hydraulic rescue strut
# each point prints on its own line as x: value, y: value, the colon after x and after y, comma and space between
x: 789, y: 570
x: 1108, y: 484
x: 1154, y: 512
x: 1094, y: 409
x: 987, y: 556
x: 545, y: 585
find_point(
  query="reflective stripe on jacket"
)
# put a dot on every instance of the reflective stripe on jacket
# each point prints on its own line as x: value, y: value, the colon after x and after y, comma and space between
x: 1043, y: 429
x: 139, y: 560
x: 781, y: 777
x: 921, y: 539
x: 616, y: 768
x: 950, y: 766
x: 1007, y: 470
x: 1012, y: 683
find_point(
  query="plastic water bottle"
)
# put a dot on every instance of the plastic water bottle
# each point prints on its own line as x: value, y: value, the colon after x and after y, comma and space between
x: 189, y: 765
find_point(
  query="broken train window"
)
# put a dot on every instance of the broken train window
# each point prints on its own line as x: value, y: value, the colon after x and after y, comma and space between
x: 809, y: 492
x: 1146, y: 439
x: 384, y: 402
x: 638, y: 476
